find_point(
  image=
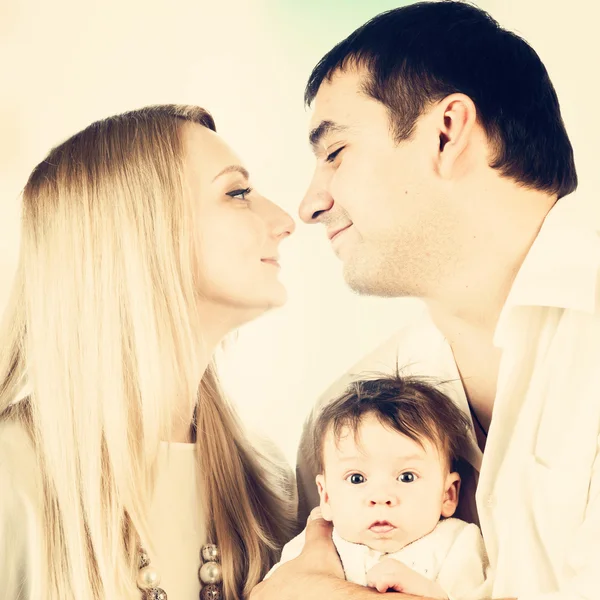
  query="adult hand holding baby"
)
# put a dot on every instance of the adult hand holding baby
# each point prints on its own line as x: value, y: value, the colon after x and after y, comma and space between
x: 391, y: 574
x: 319, y: 560
x: 319, y: 550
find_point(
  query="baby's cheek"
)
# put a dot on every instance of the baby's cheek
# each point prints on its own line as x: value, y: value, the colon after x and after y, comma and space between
x: 346, y: 517
x: 428, y: 513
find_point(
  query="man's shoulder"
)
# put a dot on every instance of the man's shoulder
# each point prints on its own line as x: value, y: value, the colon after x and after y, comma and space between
x: 277, y: 468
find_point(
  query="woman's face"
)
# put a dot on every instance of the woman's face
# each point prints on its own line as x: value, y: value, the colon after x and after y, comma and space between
x: 238, y: 231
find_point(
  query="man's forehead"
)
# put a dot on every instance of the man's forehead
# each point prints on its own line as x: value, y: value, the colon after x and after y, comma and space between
x: 338, y: 97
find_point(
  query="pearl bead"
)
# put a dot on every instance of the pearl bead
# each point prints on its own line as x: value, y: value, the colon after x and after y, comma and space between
x: 210, y: 553
x: 210, y: 592
x: 210, y: 572
x: 148, y: 578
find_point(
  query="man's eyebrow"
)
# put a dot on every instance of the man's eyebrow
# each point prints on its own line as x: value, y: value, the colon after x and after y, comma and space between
x: 322, y: 129
x: 233, y: 169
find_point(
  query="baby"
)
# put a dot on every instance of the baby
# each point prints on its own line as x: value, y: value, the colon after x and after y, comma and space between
x: 387, y: 452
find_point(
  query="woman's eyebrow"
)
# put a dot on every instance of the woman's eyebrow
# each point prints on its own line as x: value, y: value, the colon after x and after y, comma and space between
x: 233, y: 169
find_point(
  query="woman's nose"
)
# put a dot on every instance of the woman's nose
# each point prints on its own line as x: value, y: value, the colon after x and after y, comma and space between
x: 281, y: 222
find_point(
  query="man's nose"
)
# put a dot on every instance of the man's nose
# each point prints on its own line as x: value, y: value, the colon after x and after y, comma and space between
x: 316, y: 201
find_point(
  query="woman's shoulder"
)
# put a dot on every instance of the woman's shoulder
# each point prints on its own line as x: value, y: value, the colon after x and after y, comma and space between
x: 20, y: 510
x: 19, y: 472
x: 20, y: 482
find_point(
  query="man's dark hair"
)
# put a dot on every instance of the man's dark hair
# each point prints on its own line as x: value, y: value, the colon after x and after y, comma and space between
x: 409, y: 405
x: 419, y: 54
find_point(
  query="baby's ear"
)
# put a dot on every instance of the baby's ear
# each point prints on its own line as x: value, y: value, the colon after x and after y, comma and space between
x: 324, y: 496
x: 451, y: 491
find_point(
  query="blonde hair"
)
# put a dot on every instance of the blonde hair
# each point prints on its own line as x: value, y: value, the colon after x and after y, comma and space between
x: 102, y: 328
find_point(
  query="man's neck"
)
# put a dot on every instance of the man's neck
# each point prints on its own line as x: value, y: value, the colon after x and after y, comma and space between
x: 477, y: 361
x: 467, y: 304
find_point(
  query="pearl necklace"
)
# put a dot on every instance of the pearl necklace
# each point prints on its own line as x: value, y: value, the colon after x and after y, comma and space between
x: 209, y: 573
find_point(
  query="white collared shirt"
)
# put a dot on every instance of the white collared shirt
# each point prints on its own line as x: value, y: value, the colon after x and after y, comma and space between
x: 538, y: 496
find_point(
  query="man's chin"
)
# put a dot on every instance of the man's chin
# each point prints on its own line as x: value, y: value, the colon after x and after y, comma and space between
x: 364, y: 283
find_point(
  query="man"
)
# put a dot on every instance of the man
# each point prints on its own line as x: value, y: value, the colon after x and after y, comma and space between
x: 442, y: 159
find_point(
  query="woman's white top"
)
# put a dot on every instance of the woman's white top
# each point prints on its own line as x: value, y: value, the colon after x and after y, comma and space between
x: 175, y: 518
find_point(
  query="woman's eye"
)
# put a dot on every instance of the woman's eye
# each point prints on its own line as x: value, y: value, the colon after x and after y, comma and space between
x: 407, y: 477
x: 356, y: 478
x: 239, y: 194
x: 331, y: 157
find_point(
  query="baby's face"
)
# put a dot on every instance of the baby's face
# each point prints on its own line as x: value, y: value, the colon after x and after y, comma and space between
x: 383, y: 489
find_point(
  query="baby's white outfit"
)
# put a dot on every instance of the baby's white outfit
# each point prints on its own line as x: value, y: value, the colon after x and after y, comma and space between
x: 453, y: 555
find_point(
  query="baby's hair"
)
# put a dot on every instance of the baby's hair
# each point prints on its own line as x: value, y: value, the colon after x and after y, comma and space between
x: 409, y: 405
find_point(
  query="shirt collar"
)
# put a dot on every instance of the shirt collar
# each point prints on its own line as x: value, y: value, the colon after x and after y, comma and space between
x: 561, y: 267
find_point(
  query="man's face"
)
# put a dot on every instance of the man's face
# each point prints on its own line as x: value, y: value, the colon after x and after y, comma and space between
x: 380, y: 201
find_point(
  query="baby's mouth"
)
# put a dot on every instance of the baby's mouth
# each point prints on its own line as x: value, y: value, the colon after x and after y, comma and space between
x: 382, y: 527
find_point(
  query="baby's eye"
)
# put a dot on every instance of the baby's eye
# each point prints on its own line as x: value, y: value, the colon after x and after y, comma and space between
x: 407, y: 477
x: 356, y: 478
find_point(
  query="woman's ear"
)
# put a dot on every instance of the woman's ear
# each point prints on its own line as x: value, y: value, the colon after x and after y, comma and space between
x: 456, y: 117
x: 451, y: 492
x: 325, y: 507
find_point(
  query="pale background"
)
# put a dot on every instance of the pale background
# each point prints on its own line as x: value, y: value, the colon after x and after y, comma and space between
x: 66, y: 63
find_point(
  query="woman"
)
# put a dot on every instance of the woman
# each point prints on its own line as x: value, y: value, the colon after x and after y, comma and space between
x: 143, y: 245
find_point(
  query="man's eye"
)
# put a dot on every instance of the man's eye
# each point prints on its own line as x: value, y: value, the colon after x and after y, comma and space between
x: 239, y: 194
x: 331, y: 157
x: 356, y: 478
x: 407, y: 477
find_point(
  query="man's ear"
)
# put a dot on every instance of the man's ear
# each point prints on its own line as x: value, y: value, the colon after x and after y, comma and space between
x: 455, y: 119
x: 325, y: 507
x: 451, y: 492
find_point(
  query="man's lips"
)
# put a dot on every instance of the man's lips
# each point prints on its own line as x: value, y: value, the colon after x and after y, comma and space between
x: 381, y: 527
x: 332, y: 233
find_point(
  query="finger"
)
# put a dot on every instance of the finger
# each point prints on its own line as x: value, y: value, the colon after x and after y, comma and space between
x: 317, y: 530
x: 382, y: 586
x: 375, y: 581
x: 315, y: 513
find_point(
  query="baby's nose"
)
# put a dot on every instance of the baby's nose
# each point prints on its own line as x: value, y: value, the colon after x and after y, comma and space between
x: 383, y: 498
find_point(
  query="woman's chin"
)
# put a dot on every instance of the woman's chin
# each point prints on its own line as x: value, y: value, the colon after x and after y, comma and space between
x: 271, y: 302
x: 280, y: 298
x: 258, y: 306
x: 272, y: 296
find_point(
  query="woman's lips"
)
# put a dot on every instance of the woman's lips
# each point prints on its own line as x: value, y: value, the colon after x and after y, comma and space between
x: 270, y: 261
x: 382, y: 527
